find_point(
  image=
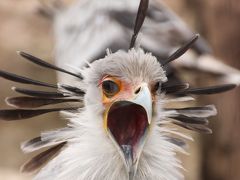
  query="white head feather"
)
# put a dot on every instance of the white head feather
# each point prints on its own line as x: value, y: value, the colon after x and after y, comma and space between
x: 90, y: 153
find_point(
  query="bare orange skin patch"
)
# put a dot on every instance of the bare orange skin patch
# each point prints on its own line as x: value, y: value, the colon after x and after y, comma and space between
x: 125, y: 91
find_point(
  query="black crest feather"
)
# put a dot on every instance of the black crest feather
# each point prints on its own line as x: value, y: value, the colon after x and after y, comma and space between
x: 72, y: 89
x: 35, y: 102
x: 24, y: 80
x: 174, y: 88
x: 208, y: 90
x: 194, y: 127
x: 179, y: 52
x: 19, y: 114
x: 177, y: 142
x: 37, y: 141
x: 39, y: 160
x: 142, y: 12
x: 35, y: 93
x: 43, y: 63
x: 190, y: 120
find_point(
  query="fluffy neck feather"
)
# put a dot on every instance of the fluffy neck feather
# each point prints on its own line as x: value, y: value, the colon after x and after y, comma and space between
x: 91, y: 155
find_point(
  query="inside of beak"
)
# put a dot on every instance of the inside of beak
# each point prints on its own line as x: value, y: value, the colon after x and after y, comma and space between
x: 128, y: 123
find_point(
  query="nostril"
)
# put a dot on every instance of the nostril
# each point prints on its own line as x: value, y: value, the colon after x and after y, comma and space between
x: 138, y: 90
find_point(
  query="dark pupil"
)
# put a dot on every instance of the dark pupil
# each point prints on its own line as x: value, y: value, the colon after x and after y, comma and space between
x: 156, y: 86
x: 110, y: 87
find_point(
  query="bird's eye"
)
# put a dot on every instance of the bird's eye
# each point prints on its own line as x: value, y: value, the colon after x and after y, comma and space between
x: 110, y: 88
x: 156, y: 86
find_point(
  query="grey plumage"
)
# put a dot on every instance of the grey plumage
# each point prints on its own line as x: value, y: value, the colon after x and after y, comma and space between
x: 94, y: 145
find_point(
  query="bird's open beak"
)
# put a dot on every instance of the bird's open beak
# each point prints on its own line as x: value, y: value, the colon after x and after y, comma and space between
x: 127, y: 123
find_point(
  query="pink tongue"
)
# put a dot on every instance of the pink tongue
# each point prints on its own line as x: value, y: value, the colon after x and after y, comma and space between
x: 127, y: 122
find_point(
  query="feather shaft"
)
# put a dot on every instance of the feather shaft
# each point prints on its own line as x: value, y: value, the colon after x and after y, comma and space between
x: 34, y: 93
x: 39, y: 160
x: 24, y: 80
x: 19, y: 114
x: 208, y: 90
x: 35, y: 102
x: 142, y: 11
x: 42, y: 63
x: 179, y: 52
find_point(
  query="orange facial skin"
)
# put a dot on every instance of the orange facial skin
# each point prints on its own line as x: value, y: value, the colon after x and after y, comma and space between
x: 126, y: 90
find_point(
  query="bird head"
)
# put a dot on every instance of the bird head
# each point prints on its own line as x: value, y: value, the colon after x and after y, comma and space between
x: 127, y: 86
x: 120, y: 103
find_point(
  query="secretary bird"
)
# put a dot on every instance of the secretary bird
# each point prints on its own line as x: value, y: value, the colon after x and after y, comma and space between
x: 120, y: 125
